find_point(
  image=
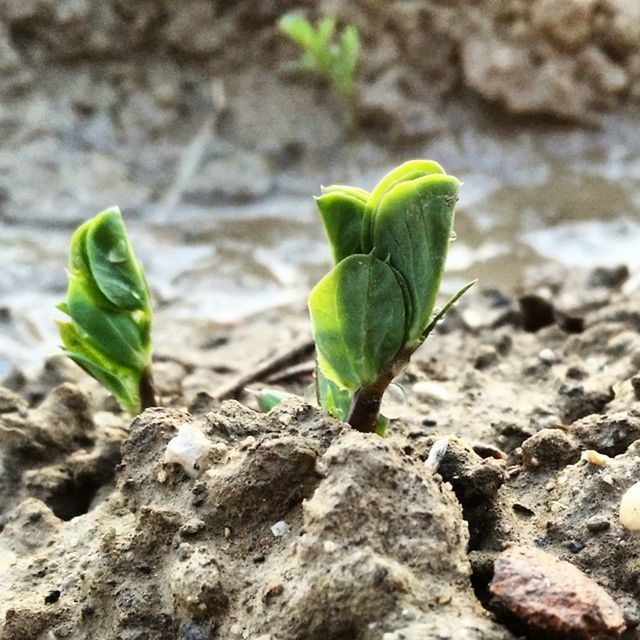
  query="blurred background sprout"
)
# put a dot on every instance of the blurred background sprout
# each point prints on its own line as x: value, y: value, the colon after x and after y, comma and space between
x: 331, y: 55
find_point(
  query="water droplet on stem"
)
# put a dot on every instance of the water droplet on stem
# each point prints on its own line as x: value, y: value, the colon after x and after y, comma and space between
x: 394, y: 401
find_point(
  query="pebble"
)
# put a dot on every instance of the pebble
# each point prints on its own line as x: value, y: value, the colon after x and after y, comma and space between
x: 598, y: 523
x: 279, y: 528
x: 630, y: 508
x: 431, y: 391
x: 595, y: 458
x: 329, y: 546
x: 554, y: 595
x: 436, y: 454
x: 486, y: 356
x: 547, y: 356
x: 189, y: 449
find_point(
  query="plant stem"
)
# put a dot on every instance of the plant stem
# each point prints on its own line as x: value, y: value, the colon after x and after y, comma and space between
x: 147, y: 390
x: 365, y: 406
x: 365, y: 409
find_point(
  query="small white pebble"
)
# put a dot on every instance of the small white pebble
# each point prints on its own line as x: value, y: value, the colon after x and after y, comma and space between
x: 219, y: 452
x: 547, y: 356
x: 162, y: 476
x: 286, y: 419
x: 330, y: 546
x: 630, y: 508
x: 608, y: 479
x: 227, y: 532
x: 279, y: 528
x: 249, y: 441
x: 189, y: 449
x: 593, y: 457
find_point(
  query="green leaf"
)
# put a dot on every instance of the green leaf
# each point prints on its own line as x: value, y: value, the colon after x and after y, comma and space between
x: 108, y: 302
x: 349, y: 49
x: 382, y: 425
x: 116, y: 332
x: 270, y: 398
x: 298, y: 29
x: 410, y: 170
x: 343, y: 215
x: 333, y: 399
x: 113, y: 265
x: 324, y: 34
x: 346, y: 61
x: 354, y: 192
x: 358, y: 318
x: 331, y: 57
x: 443, y: 312
x: 412, y: 228
x: 122, y: 382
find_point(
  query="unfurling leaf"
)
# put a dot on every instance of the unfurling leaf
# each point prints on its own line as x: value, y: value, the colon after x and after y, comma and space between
x: 108, y: 302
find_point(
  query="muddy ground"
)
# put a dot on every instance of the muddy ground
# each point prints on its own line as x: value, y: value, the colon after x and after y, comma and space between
x: 185, y: 114
x: 102, y: 538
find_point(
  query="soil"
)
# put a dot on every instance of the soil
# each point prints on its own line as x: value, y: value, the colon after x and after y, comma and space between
x: 292, y: 525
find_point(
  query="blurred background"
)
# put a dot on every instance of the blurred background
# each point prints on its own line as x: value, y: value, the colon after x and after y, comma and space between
x: 187, y: 114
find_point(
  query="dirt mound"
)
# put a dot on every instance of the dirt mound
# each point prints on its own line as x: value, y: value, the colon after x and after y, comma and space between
x: 294, y: 528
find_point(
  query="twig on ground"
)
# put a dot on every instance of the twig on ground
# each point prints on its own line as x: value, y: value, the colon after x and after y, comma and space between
x: 264, y: 369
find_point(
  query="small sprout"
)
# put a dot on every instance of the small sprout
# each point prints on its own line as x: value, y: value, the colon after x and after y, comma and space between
x: 108, y: 302
x: 269, y: 398
x: 332, y: 56
x: 377, y: 305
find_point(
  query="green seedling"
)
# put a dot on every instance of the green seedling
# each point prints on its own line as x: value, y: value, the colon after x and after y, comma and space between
x: 108, y: 303
x: 332, y: 56
x: 377, y: 305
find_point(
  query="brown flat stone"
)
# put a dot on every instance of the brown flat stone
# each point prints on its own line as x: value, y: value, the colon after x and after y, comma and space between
x: 554, y: 595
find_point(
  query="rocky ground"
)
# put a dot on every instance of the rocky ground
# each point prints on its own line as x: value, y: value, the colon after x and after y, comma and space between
x: 289, y: 525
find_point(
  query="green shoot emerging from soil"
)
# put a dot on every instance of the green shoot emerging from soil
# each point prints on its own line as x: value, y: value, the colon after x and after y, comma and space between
x: 108, y: 301
x: 333, y: 57
x: 376, y: 306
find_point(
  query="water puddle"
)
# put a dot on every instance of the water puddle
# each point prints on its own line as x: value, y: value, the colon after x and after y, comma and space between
x: 528, y: 197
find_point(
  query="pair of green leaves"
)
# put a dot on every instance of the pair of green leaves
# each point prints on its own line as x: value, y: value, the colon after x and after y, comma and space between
x: 335, y: 59
x: 108, y: 302
x: 389, y: 248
